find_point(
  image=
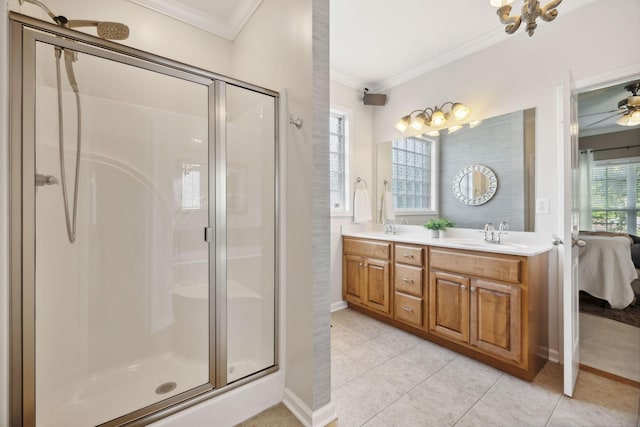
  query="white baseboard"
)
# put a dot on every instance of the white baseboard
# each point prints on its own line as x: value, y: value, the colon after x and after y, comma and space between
x: 338, y: 306
x: 554, y: 356
x: 305, y: 415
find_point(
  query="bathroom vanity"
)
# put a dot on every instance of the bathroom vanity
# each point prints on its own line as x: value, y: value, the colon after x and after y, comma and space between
x: 486, y: 301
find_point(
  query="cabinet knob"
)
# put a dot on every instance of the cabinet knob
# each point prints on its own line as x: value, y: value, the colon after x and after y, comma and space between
x: 407, y: 255
x: 361, y: 265
x: 405, y: 280
x: 405, y: 308
x: 473, y: 289
x: 463, y: 287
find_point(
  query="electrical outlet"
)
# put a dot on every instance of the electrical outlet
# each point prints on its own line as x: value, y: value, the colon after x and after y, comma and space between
x: 542, y: 206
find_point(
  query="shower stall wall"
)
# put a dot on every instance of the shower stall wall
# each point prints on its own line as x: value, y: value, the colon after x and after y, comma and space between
x: 168, y: 292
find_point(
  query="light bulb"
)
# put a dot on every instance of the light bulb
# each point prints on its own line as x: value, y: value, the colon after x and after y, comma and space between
x: 628, y: 120
x: 438, y: 119
x: 460, y: 111
x: 419, y: 121
x: 500, y: 3
x: 403, y: 124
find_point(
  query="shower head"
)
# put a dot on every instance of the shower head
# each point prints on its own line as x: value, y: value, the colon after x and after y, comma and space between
x: 106, y: 30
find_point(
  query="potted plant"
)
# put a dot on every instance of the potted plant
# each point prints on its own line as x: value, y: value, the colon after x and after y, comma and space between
x: 438, y: 224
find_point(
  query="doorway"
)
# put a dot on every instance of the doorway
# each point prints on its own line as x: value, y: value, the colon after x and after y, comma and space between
x: 609, y: 144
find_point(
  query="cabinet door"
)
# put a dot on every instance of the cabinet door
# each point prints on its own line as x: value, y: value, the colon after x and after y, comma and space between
x: 353, y: 276
x: 495, y: 318
x: 377, y: 282
x: 449, y: 306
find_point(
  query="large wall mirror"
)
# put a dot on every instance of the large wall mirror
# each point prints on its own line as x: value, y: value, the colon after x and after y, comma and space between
x: 501, y: 149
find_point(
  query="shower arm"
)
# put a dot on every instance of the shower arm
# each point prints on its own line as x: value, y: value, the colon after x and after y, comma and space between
x: 82, y: 23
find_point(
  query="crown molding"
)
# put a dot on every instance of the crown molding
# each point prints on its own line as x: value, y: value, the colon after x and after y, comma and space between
x: 349, y: 81
x: 197, y: 18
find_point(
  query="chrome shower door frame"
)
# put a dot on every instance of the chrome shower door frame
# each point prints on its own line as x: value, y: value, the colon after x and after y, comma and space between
x: 25, y: 32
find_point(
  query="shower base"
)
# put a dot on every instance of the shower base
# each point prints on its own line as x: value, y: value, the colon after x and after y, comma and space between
x: 113, y: 393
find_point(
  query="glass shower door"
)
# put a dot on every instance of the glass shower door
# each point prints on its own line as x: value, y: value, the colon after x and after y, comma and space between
x: 122, y: 312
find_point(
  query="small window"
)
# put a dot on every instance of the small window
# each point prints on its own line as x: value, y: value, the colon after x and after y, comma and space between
x: 412, y: 164
x: 615, y: 196
x: 338, y: 163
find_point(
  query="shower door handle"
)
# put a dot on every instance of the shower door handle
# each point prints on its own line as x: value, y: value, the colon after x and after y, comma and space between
x: 42, y: 180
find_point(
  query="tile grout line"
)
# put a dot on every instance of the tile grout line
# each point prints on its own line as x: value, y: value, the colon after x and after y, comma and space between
x: 555, y: 408
x: 480, y: 398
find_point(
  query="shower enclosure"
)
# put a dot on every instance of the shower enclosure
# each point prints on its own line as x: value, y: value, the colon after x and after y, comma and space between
x: 168, y: 293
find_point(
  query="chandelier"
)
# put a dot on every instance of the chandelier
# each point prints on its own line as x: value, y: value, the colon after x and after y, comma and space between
x: 435, y: 118
x: 531, y: 10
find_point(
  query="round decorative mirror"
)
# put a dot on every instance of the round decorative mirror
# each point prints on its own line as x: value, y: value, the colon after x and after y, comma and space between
x: 475, y: 185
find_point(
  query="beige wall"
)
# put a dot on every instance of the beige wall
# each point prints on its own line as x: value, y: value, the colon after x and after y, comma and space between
x: 628, y: 141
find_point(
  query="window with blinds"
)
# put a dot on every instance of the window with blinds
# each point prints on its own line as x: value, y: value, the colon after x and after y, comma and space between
x: 412, y: 173
x: 338, y: 162
x: 615, y: 197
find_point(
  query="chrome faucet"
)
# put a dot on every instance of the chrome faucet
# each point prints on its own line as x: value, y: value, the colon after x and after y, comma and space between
x: 390, y: 228
x: 493, y: 236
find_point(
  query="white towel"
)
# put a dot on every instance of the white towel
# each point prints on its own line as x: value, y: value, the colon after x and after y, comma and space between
x: 361, y: 206
x: 388, y: 213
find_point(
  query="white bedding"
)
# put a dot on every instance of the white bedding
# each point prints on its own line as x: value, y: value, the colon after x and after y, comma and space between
x: 606, y: 270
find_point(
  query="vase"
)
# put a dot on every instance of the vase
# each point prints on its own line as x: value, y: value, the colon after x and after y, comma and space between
x: 435, y: 234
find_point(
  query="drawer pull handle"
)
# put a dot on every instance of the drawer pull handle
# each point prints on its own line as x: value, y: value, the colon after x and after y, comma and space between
x: 405, y: 308
x: 463, y: 287
x: 408, y: 256
x: 405, y: 280
x: 473, y: 289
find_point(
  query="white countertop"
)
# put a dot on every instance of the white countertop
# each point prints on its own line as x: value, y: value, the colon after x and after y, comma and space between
x: 514, y: 242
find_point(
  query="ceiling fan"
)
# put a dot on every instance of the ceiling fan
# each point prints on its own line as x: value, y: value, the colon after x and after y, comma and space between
x: 628, y: 108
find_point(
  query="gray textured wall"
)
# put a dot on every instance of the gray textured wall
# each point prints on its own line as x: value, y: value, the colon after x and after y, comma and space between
x: 321, y: 257
x: 498, y: 144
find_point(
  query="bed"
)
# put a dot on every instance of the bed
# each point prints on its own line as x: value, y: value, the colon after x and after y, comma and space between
x: 606, y: 269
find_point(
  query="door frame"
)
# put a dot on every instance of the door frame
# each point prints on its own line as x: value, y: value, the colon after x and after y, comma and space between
x: 588, y: 84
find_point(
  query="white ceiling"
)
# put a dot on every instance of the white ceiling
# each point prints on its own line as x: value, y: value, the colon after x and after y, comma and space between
x: 382, y: 43
x: 224, y: 18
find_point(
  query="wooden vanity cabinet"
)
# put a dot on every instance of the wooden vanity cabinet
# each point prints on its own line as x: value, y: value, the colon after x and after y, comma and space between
x: 366, y: 274
x: 409, y: 285
x: 489, y: 306
x: 493, y: 304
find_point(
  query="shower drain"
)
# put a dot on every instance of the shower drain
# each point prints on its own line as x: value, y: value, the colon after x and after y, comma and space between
x: 166, y: 387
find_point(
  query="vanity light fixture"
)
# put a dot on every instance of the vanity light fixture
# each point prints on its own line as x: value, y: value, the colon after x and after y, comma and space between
x: 531, y: 10
x: 435, y: 118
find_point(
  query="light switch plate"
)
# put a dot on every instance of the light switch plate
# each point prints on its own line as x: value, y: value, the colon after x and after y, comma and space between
x: 542, y: 206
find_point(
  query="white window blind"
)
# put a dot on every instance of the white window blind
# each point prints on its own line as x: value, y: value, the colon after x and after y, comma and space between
x: 615, y: 197
x: 337, y: 162
x: 411, y: 170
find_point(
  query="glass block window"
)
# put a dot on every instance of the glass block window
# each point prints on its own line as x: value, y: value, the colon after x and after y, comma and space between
x: 615, y: 197
x: 412, y: 174
x: 338, y: 162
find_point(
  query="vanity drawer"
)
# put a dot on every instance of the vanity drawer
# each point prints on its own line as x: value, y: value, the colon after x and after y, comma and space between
x: 491, y: 266
x: 408, y: 280
x: 409, y: 254
x: 367, y: 248
x: 408, y: 309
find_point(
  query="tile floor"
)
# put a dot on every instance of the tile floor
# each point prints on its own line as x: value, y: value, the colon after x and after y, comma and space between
x: 384, y: 377
x: 610, y: 346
